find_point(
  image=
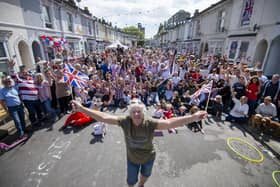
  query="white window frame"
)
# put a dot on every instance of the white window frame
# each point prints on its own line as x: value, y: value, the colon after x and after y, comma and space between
x: 5, y: 51
x: 91, y: 46
x: 239, y: 47
x: 48, y: 22
x: 70, y: 24
x: 75, y: 46
x: 97, y: 29
x: 77, y: 49
x: 89, y: 28
x: 221, y: 21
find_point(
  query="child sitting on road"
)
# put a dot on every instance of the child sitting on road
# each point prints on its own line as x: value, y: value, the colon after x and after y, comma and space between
x: 181, y: 111
x: 158, y: 113
x: 217, y: 107
x: 96, y: 103
x: 99, y: 130
x: 169, y: 114
x: 196, y: 126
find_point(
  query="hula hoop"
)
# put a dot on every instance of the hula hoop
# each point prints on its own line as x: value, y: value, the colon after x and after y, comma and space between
x: 243, y: 156
x: 274, y: 178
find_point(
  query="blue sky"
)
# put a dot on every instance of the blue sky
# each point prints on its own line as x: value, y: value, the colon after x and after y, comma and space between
x: 150, y: 13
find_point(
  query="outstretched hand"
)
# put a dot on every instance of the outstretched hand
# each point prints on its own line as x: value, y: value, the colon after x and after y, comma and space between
x: 199, y: 115
x: 11, y: 63
x: 76, y: 105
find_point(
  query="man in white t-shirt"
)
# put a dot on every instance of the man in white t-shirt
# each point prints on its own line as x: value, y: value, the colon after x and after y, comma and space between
x: 165, y: 71
x: 261, y: 77
x: 266, y: 112
x: 239, y: 112
x: 213, y: 76
x: 175, y: 79
x: 267, y: 108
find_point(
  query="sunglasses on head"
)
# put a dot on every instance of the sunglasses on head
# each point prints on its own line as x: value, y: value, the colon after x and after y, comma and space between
x: 136, y: 102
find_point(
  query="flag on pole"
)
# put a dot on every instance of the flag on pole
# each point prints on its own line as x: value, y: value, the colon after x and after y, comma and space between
x: 74, y: 77
x: 206, y: 88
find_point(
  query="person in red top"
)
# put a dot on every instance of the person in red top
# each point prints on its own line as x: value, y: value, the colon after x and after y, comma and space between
x: 139, y: 71
x: 196, y: 76
x: 134, y: 95
x: 169, y: 114
x: 252, y: 91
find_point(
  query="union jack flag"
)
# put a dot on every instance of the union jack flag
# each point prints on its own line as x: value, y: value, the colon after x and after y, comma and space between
x: 247, y: 12
x: 206, y: 88
x: 74, y: 77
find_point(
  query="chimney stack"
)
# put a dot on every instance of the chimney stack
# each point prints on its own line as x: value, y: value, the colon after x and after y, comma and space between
x: 196, y: 12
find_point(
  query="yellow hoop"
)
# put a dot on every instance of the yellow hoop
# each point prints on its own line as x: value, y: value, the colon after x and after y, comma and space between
x: 243, y: 156
x: 274, y: 178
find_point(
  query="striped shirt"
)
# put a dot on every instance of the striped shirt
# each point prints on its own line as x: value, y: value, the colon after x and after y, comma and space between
x: 27, y: 89
x: 119, y: 92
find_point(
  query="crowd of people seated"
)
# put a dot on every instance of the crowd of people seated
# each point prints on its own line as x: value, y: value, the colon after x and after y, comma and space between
x: 160, y: 78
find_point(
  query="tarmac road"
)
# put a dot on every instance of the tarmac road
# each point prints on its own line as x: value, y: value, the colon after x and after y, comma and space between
x: 73, y: 158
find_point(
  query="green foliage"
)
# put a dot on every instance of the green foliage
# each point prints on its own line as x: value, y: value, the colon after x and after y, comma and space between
x: 140, y: 43
x: 160, y: 29
x: 134, y: 31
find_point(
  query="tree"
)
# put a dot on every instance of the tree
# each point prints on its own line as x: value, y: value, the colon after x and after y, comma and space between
x: 160, y: 29
x: 103, y: 21
x: 134, y: 31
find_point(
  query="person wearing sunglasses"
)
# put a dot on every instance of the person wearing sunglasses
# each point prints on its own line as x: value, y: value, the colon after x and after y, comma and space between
x: 10, y: 100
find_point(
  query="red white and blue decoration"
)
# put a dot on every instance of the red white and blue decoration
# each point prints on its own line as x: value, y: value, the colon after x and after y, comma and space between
x: 54, y: 42
x: 247, y: 12
x: 206, y: 88
x: 74, y: 77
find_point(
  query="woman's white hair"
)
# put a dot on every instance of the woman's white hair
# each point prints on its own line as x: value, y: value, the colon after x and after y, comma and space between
x: 136, y: 103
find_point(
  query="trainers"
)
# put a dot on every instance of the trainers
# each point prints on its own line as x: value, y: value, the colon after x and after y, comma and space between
x: 172, y: 131
x: 35, y: 123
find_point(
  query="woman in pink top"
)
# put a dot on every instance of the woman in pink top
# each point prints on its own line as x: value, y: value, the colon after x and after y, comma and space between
x: 45, y: 95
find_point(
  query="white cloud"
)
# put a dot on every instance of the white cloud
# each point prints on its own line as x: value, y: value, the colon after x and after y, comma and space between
x: 148, y: 12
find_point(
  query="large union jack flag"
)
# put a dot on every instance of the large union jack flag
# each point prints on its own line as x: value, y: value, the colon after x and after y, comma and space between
x: 206, y: 88
x: 74, y: 77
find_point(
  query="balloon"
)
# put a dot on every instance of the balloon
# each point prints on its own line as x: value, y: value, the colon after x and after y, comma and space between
x: 63, y: 40
x: 47, y: 40
x: 51, y: 38
x: 51, y: 43
x: 56, y: 43
x: 43, y: 37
